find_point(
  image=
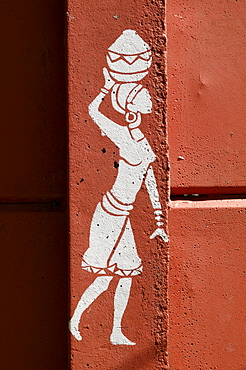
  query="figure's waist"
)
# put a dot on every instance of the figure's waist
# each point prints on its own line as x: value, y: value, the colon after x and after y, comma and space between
x: 135, y: 151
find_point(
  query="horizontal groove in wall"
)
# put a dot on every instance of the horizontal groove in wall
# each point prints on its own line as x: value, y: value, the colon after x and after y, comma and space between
x: 219, y: 191
x: 195, y: 197
x: 211, y: 203
x: 54, y: 204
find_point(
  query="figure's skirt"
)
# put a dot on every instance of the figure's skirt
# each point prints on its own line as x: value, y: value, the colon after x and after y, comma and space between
x: 112, y: 270
x: 112, y: 249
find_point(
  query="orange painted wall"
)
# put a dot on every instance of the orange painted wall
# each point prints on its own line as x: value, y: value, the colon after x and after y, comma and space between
x: 207, y: 285
x: 206, y: 99
x: 206, y: 134
x: 206, y: 129
x: 92, y: 28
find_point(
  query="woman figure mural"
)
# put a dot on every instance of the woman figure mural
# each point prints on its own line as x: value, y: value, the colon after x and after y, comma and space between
x: 112, y: 249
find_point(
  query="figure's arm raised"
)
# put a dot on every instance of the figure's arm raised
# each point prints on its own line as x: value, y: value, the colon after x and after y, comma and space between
x: 111, y: 129
x: 151, y: 186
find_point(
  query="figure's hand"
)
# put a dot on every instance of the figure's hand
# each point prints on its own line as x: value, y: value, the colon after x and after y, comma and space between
x: 160, y: 232
x: 109, y: 82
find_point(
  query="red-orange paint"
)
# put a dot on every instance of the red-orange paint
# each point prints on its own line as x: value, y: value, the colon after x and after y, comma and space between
x: 206, y: 96
x: 93, y: 169
x: 206, y: 126
x: 206, y: 140
x: 207, y: 285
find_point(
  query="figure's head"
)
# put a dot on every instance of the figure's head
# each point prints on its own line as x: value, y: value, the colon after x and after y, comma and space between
x: 131, y: 99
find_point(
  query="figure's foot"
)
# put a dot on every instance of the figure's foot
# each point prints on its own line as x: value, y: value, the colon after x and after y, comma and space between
x: 117, y: 337
x: 74, y: 329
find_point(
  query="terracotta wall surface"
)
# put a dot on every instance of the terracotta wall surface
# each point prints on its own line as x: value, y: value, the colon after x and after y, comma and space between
x: 206, y: 131
x: 92, y: 28
x: 186, y: 311
x: 205, y: 114
x: 207, y: 285
x: 206, y: 99
x: 33, y: 216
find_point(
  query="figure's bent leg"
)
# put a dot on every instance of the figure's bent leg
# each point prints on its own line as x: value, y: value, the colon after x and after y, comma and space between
x: 120, y: 302
x: 99, y: 285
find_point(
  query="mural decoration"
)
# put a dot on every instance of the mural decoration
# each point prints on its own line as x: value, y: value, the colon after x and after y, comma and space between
x: 112, y: 250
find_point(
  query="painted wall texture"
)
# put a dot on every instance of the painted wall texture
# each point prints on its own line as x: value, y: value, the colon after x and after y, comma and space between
x: 33, y: 216
x: 206, y: 130
x: 206, y: 79
x: 185, y: 310
x: 95, y: 162
x: 172, y: 306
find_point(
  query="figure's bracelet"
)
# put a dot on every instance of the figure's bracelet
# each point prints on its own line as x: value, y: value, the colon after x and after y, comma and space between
x: 104, y: 90
x: 158, y: 217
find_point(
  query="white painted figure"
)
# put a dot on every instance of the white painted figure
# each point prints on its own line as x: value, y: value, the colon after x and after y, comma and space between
x: 112, y: 250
